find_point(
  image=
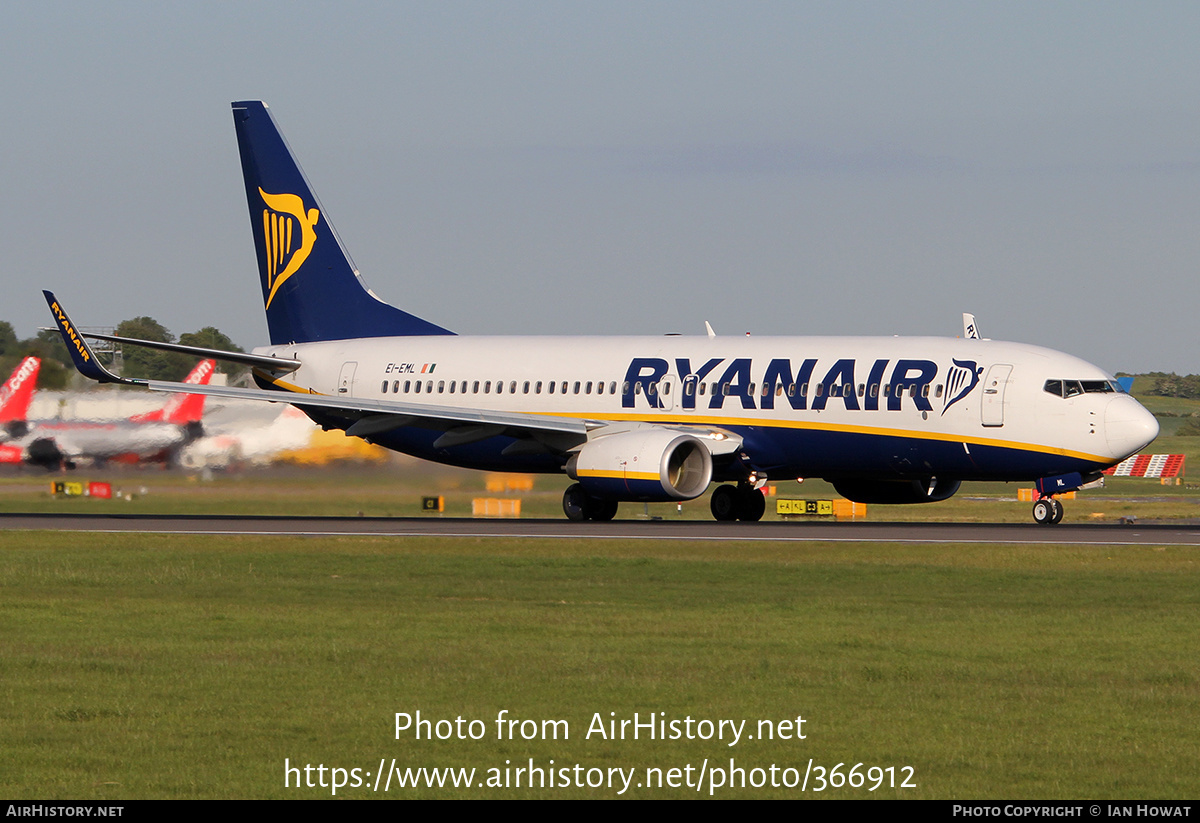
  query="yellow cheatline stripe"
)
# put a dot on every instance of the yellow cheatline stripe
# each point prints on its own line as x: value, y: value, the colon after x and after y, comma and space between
x: 840, y: 428
x: 620, y: 475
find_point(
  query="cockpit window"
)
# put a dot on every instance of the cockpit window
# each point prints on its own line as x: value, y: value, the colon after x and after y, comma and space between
x: 1071, y: 388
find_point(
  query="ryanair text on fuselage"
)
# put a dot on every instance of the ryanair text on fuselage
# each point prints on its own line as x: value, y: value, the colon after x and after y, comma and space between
x: 886, y: 385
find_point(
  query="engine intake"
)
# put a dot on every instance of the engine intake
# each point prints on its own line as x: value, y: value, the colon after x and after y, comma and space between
x: 651, y: 464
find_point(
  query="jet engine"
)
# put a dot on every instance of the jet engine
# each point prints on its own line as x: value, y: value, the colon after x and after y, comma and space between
x: 643, y: 464
x: 930, y: 490
x: 45, y: 452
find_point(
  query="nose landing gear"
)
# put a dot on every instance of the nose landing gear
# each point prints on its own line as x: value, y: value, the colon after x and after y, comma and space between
x: 1047, y: 511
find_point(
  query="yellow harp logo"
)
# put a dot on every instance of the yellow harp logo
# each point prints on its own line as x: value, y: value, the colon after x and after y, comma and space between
x: 286, y: 253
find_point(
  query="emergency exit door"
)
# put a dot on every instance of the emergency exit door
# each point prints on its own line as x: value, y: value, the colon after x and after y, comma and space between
x: 346, y: 381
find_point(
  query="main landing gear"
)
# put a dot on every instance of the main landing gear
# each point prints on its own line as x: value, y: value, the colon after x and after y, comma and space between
x: 578, y: 505
x: 1048, y: 511
x: 740, y: 502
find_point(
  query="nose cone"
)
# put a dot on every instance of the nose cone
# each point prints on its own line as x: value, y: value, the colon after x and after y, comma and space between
x: 1128, y: 427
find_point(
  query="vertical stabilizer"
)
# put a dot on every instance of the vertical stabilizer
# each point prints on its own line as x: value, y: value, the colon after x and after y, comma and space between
x: 182, y: 409
x: 17, y: 391
x: 310, y: 287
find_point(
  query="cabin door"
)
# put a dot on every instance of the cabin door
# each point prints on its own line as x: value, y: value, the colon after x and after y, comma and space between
x: 994, y: 383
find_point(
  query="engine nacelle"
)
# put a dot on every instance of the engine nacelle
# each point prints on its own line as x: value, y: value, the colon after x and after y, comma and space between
x: 931, y: 490
x: 643, y: 464
x: 44, y: 452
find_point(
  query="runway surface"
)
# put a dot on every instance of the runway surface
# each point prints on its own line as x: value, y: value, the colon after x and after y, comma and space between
x: 804, y: 532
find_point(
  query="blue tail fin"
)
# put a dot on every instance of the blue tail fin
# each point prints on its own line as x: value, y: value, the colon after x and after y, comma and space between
x: 310, y: 287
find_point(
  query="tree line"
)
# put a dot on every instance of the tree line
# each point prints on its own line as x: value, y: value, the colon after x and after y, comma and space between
x: 1170, y: 384
x: 136, y: 361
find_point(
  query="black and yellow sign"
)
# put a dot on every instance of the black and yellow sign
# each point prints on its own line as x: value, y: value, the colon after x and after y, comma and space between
x: 793, y: 508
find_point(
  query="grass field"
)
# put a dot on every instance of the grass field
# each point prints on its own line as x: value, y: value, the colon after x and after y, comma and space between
x: 148, y: 666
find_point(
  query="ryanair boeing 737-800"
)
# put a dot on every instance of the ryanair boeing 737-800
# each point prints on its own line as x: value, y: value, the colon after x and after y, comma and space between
x: 885, y: 419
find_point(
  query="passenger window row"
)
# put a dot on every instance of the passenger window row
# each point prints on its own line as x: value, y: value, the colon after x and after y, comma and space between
x: 499, y: 386
x: 599, y: 387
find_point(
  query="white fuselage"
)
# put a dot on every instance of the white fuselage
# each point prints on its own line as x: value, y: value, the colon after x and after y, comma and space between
x: 828, y: 406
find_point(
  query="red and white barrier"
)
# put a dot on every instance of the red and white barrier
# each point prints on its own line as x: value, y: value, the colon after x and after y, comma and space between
x: 1149, y: 465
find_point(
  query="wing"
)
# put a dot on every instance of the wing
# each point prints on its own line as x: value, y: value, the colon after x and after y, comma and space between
x: 462, y: 425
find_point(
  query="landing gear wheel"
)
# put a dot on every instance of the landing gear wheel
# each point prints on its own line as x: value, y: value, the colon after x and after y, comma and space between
x: 1058, y: 513
x: 605, y: 510
x: 1045, y: 510
x: 753, y: 504
x: 576, y: 503
x: 738, y: 503
x: 725, y: 503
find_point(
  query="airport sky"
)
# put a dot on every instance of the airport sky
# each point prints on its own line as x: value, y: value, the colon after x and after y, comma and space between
x: 626, y: 167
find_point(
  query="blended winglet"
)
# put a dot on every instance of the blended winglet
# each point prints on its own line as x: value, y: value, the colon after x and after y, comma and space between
x: 81, y: 353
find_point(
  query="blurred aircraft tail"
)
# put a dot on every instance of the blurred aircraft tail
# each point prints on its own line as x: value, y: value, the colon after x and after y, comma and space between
x: 182, y: 409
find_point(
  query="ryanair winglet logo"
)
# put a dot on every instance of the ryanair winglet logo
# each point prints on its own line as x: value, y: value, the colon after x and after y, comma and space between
x: 289, y: 231
x: 69, y: 333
